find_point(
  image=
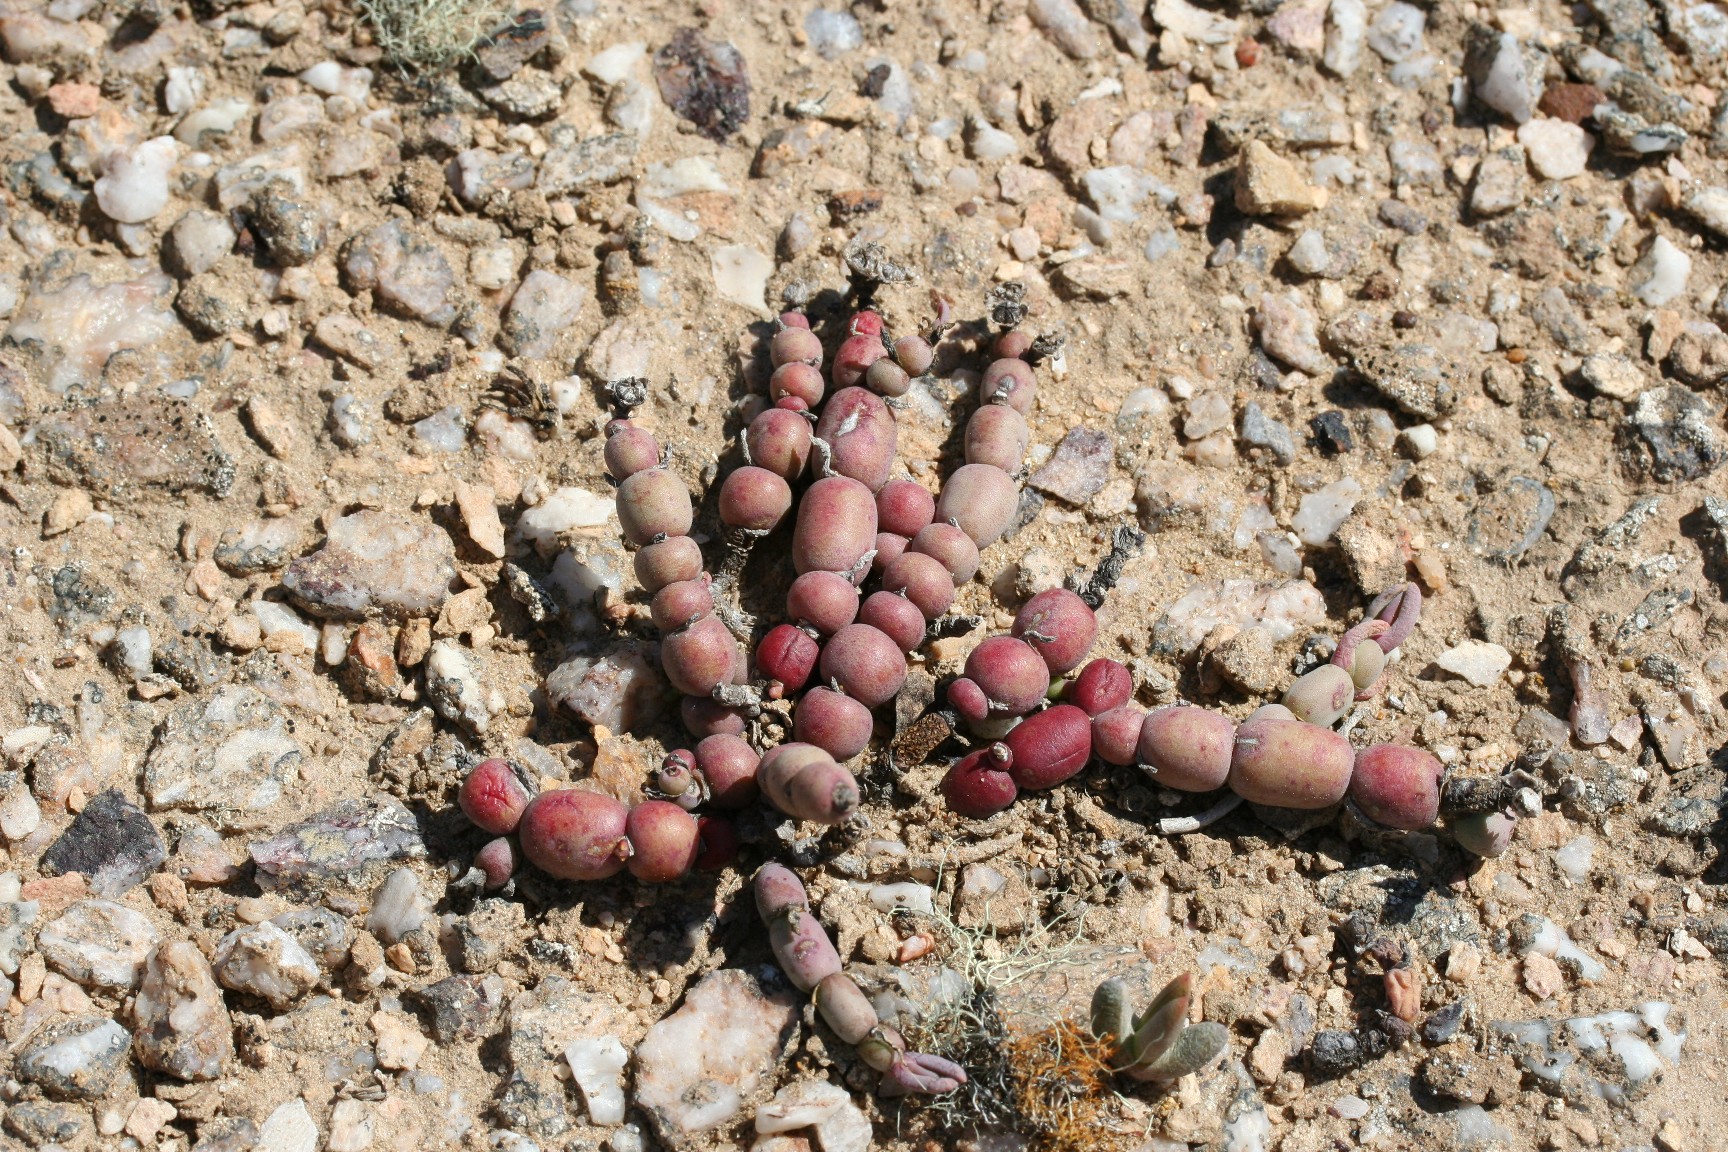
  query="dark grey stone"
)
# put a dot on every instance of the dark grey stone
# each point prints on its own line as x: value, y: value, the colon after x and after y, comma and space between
x: 462, y: 1007
x: 292, y: 230
x: 38, y: 1123
x: 1673, y: 435
x: 504, y: 53
x: 1399, y: 215
x: 1332, y: 433
x: 1261, y: 431
x: 1334, y: 1054
x: 112, y: 842
x: 1443, y: 1023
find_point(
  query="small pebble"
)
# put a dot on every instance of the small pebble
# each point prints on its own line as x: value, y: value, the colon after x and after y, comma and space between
x: 1420, y: 441
x: 1660, y: 274
x: 1321, y: 512
x: 1556, y: 150
x: 1479, y: 662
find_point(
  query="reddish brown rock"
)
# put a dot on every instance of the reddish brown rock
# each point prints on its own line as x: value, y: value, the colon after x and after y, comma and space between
x: 1572, y: 103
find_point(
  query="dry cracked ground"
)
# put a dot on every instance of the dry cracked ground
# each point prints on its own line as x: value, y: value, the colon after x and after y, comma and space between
x: 304, y: 513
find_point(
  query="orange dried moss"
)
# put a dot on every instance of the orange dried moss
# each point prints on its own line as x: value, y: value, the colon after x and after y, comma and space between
x: 1062, y: 1087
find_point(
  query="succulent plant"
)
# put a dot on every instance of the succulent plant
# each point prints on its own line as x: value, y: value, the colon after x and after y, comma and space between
x: 860, y: 433
x: 663, y: 840
x: 674, y: 559
x: 498, y: 861
x: 1116, y: 734
x: 979, y: 784
x: 834, y: 722
x: 1397, y: 785
x: 1060, y: 626
x: 1005, y: 677
x: 1289, y: 764
x: 494, y: 795
x: 808, y: 958
x: 574, y: 834
x: 804, y: 782
x: 1400, y: 606
x: 1323, y: 696
x: 1050, y: 746
x: 1487, y: 834
x: 894, y: 616
x: 1187, y: 748
x: 1158, y: 1044
x: 1102, y: 686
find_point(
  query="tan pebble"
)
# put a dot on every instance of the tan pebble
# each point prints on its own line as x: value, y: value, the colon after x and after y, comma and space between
x: 1542, y: 976
x: 70, y: 508
x: 619, y: 766
x: 1613, y: 949
x: 1266, y: 1061
x: 594, y: 942
x: 274, y: 434
x: 914, y: 947
x: 56, y: 893
x: 400, y: 1042
x: 414, y: 641
x: 285, y: 642
x: 1671, y: 1137
x: 11, y: 452
x: 110, y: 1123
x: 463, y: 613
x: 241, y: 632
x: 879, y: 945
x: 147, y: 1118
x: 1431, y: 570
x: 1482, y: 880
x: 1269, y: 185
x: 204, y: 581
x: 75, y: 101
x: 1404, y: 993
x: 32, y: 971
x: 416, y: 465
x: 1463, y: 962
x: 168, y: 892
x: 254, y: 909
x: 478, y: 505
x: 366, y: 954
x: 949, y: 648
x: 505, y: 484
x: 1548, y: 830
x: 64, y: 996
x: 399, y: 957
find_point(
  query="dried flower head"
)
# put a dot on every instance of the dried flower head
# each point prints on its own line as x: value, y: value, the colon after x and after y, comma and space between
x: 1404, y: 993
x: 1007, y: 304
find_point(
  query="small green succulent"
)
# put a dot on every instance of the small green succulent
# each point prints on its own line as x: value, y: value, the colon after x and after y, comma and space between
x: 1159, y: 1044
